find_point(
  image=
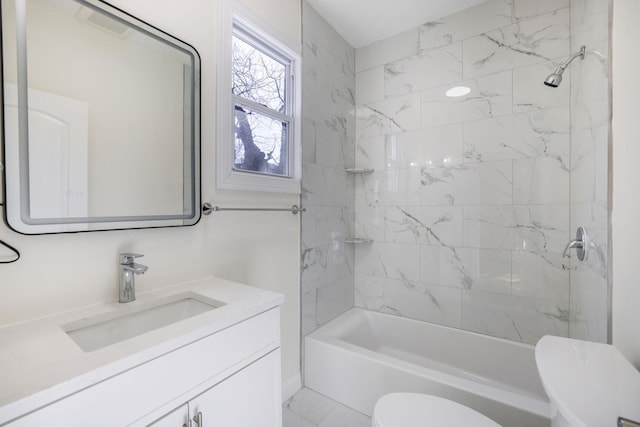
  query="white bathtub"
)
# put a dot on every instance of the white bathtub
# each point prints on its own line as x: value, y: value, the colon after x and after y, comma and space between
x: 362, y: 355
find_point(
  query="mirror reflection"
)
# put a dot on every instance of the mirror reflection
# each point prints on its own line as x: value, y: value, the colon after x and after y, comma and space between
x: 100, y: 119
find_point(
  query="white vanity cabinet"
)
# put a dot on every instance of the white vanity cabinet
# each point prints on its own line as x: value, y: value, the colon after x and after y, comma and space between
x: 178, y: 417
x: 248, y: 398
x: 231, y: 377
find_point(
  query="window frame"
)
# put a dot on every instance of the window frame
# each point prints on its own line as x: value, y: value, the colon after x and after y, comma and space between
x: 227, y: 176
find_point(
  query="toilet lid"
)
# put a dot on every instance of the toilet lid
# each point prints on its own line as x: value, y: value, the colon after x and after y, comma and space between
x: 420, y: 410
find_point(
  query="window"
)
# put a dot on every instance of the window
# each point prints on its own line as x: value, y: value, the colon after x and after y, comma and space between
x: 259, y: 146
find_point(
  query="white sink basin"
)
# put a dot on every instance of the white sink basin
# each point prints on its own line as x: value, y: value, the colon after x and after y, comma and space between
x: 101, y: 333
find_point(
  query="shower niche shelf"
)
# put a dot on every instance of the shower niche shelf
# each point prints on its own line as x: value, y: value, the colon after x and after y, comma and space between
x: 357, y: 240
x: 360, y: 171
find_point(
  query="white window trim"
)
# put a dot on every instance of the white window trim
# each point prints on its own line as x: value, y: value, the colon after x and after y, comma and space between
x: 227, y: 178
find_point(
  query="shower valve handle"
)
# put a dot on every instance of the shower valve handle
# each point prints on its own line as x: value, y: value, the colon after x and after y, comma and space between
x: 581, y: 244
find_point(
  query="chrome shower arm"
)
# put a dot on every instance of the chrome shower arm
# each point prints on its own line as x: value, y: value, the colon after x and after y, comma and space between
x: 555, y: 79
x: 580, y: 54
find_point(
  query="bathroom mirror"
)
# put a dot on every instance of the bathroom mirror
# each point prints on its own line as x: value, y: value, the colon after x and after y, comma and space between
x: 100, y: 117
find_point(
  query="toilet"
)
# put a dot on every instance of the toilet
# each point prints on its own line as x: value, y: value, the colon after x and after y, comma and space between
x: 423, y: 410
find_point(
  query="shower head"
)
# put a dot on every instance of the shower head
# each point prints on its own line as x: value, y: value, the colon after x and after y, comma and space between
x: 555, y: 78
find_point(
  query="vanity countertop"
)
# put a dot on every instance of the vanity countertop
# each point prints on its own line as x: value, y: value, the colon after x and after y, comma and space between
x: 40, y: 363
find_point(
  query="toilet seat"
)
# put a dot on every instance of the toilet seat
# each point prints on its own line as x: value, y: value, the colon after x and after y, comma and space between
x: 420, y: 410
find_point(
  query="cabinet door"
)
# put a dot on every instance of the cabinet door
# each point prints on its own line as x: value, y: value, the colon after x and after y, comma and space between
x: 179, y: 417
x: 250, y: 397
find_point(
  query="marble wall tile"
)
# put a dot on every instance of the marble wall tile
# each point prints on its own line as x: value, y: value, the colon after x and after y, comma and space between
x: 334, y: 299
x: 525, y: 9
x: 328, y: 68
x: 513, y: 317
x: 530, y: 92
x: 308, y: 140
x: 328, y: 103
x: 328, y: 88
x: 317, y: 30
x: 442, y: 265
x: 504, y: 162
x: 440, y: 145
x: 371, y: 153
x: 479, y: 269
x: 590, y: 132
x: 541, y: 275
x: 488, y: 183
x: 388, y: 260
x: 379, y: 53
x: 526, y: 42
x: 370, y: 85
x: 589, y: 284
x: 424, y: 225
x: 325, y: 225
x: 590, y: 89
x: 322, y: 106
x: 391, y: 187
x: 475, y: 20
x: 440, y: 185
x: 543, y: 133
x: 333, y: 147
x: 326, y: 264
x: 400, y: 187
x: 392, y: 115
x: 541, y: 228
x: 335, y: 143
x: 428, y: 70
x: 589, y: 306
x: 490, y: 96
x: 589, y: 166
x: 532, y: 228
x: 370, y: 222
x: 308, y: 316
x: 589, y: 145
x: 369, y: 292
x: 594, y: 218
x: 319, y: 183
x: 415, y: 300
x: 590, y: 25
x: 540, y: 181
x: 367, y: 192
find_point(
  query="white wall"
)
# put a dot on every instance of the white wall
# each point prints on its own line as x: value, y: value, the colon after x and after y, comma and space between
x: 626, y: 178
x: 62, y: 272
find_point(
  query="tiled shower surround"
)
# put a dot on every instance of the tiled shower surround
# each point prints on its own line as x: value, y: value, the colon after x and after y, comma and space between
x: 328, y: 87
x: 472, y: 199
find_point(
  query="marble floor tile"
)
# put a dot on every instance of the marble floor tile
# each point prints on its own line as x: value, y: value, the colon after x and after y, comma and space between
x: 310, y: 409
x: 291, y: 419
x: 309, y: 405
x: 343, y: 416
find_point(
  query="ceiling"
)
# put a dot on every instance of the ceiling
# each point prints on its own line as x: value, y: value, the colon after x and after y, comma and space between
x: 362, y: 22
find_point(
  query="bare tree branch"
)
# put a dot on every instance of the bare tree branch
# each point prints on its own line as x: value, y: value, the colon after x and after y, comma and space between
x: 261, y: 79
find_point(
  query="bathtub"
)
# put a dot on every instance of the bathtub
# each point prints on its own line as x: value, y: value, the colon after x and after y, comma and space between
x: 362, y: 355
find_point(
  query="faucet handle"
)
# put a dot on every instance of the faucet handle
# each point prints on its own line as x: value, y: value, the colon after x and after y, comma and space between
x: 128, y: 257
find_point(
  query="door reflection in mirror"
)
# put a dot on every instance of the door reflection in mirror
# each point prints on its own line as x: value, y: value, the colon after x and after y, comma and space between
x: 101, y: 117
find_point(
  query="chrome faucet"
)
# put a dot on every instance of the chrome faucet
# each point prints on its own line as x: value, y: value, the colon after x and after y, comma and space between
x: 128, y: 271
